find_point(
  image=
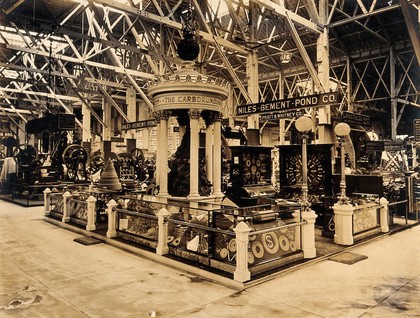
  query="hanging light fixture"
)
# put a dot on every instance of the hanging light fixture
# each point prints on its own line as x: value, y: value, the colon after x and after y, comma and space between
x: 188, y: 48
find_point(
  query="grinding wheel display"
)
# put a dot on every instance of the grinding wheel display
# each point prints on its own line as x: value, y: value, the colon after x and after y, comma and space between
x: 251, y: 258
x: 284, y: 243
x: 270, y: 242
x: 224, y: 252
x: 232, y: 245
x: 257, y: 249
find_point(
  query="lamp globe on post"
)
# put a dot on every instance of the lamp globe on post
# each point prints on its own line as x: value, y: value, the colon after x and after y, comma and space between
x: 342, y: 130
x: 304, y: 125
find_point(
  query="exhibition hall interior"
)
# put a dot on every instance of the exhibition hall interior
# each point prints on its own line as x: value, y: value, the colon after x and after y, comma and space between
x: 238, y: 138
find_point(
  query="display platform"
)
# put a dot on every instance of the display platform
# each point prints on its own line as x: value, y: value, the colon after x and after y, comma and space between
x: 26, y: 195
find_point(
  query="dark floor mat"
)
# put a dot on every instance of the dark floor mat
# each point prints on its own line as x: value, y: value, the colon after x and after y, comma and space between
x: 87, y: 240
x: 348, y: 258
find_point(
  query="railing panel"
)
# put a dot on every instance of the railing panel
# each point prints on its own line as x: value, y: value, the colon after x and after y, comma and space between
x: 365, y: 218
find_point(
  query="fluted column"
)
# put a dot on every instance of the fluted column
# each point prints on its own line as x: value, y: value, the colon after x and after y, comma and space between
x: 162, y: 153
x: 209, y: 152
x: 217, y: 155
x: 194, y: 145
x: 158, y: 150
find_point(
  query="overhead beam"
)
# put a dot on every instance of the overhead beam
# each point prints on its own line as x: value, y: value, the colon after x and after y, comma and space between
x: 412, y: 26
x: 167, y: 22
x: 62, y: 57
x: 10, y: 110
x: 282, y: 11
x: 312, y: 11
x: 13, y: 66
x: 13, y: 7
x: 306, y: 59
x: 104, y: 92
x: 44, y: 94
x: 109, y: 44
x: 361, y: 16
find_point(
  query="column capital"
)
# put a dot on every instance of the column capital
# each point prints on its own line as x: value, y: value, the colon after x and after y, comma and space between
x: 162, y: 115
x: 218, y: 117
x: 211, y: 116
x: 194, y: 113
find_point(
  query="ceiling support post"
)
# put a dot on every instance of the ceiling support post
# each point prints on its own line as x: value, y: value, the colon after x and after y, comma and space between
x: 323, y: 60
x: 394, y: 102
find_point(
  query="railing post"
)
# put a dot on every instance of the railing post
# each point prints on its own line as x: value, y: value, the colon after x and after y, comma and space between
x: 162, y: 247
x: 384, y: 216
x: 47, y: 201
x: 242, y: 273
x: 308, y: 234
x: 112, y: 219
x: 66, y: 213
x: 343, y: 219
x: 297, y: 218
x: 91, y: 213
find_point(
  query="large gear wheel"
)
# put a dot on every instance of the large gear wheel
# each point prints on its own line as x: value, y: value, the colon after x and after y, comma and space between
x: 75, y: 158
x: 24, y: 155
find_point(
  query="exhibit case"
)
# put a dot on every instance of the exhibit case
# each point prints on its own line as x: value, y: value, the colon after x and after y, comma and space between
x: 238, y: 241
x: 204, y: 233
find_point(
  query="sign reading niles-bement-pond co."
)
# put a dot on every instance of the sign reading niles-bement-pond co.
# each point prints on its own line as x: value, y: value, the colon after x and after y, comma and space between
x: 288, y: 104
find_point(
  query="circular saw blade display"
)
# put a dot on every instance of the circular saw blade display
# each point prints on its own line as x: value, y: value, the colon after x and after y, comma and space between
x: 318, y: 165
x: 251, y: 165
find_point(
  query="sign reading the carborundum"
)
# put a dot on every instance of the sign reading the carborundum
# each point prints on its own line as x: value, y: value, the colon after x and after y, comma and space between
x: 288, y: 104
x: 139, y: 124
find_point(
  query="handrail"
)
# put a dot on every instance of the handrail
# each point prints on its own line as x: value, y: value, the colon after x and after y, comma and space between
x: 77, y: 200
x: 277, y: 228
x: 397, y: 202
x: 201, y: 227
x: 148, y: 216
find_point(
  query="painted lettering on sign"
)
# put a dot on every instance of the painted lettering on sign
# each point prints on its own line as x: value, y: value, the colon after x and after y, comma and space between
x: 354, y: 119
x: 195, y: 99
x: 416, y: 129
x: 281, y: 115
x: 139, y: 124
x: 290, y: 103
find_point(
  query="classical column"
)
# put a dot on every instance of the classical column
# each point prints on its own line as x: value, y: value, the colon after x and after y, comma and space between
x: 163, y: 154
x: 217, y: 155
x: 194, y: 145
x: 209, y: 152
x: 159, y: 156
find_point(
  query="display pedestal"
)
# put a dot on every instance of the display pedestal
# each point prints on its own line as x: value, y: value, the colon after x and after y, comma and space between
x: 308, y: 234
x: 343, y: 216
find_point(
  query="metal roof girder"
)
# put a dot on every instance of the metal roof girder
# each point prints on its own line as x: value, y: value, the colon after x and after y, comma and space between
x: 282, y: 11
x: 301, y: 48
